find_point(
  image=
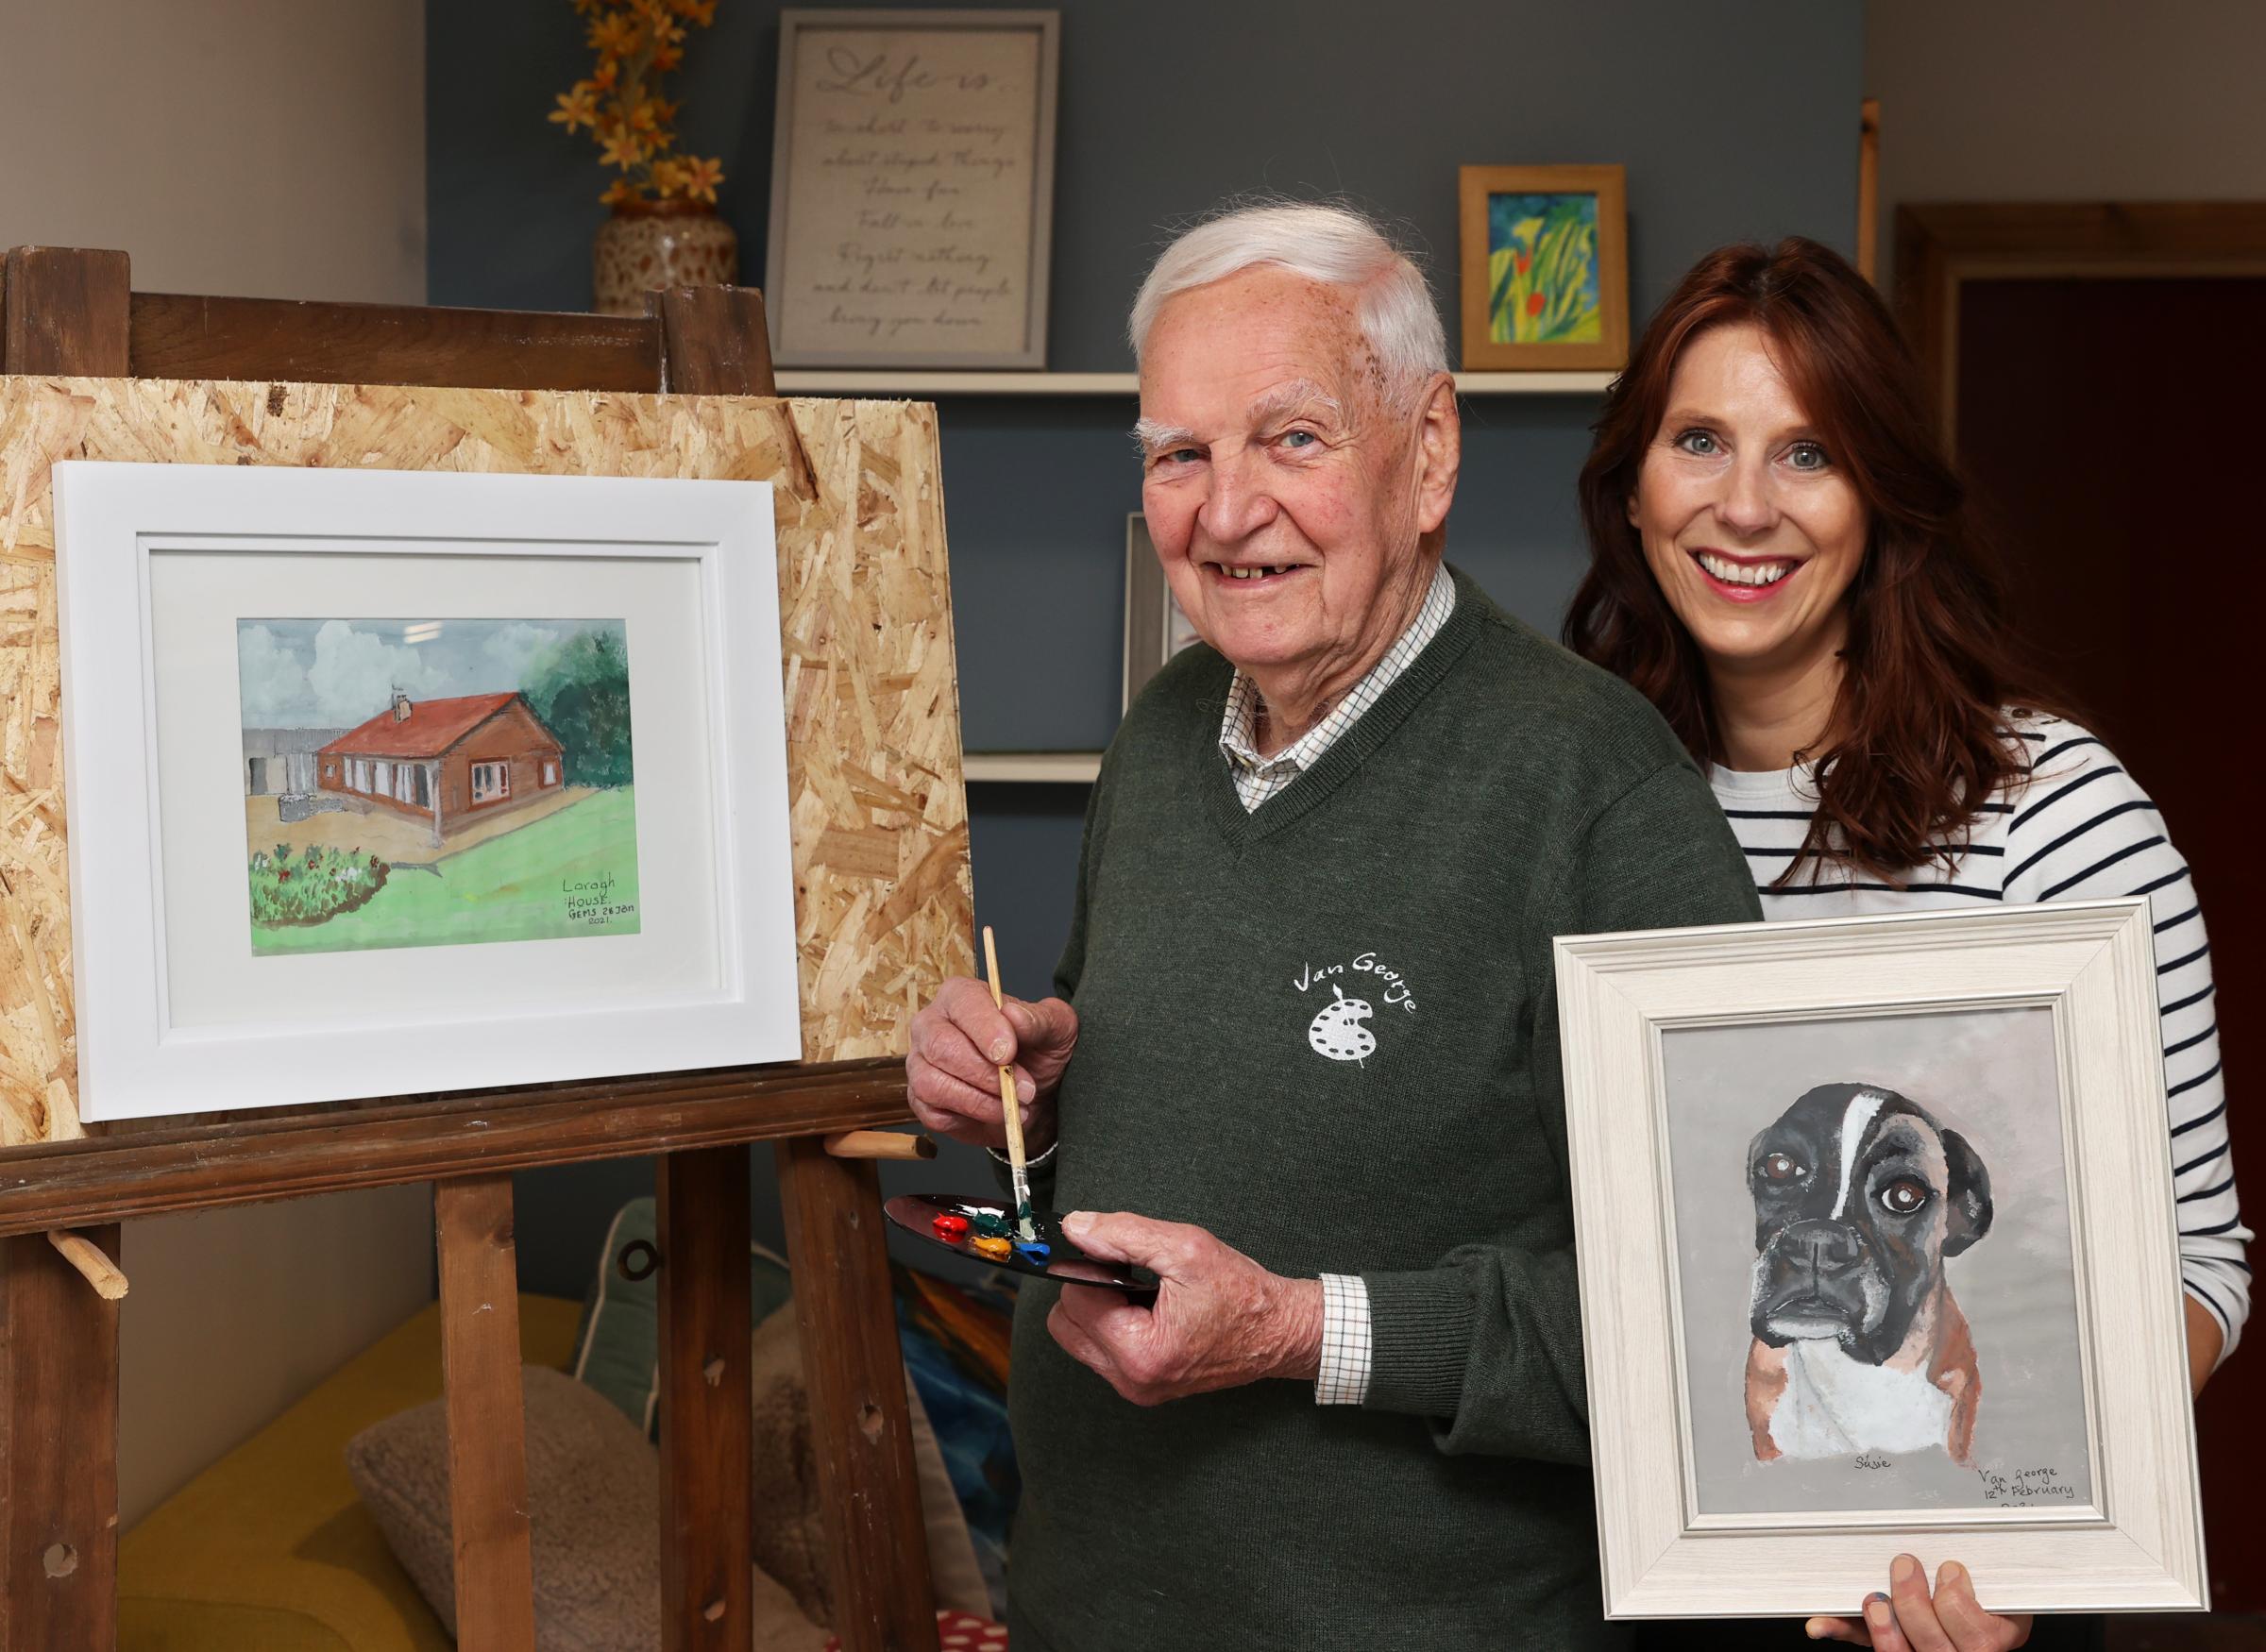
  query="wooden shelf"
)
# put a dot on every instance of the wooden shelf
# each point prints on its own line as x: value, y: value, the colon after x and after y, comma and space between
x: 886, y: 386
x: 1033, y: 767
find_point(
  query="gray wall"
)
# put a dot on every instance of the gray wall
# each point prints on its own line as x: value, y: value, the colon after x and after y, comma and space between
x: 1733, y: 122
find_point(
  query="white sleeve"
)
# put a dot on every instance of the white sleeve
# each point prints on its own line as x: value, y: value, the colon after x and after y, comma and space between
x: 2084, y: 830
x: 1345, y: 1342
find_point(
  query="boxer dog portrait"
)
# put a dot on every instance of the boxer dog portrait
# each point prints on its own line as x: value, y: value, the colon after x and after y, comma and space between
x: 1859, y: 1196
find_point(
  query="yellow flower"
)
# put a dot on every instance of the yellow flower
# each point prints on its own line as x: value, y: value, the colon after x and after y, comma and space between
x: 668, y: 176
x: 645, y: 120
x: 702, y: 176
x: 667, y: 57
x: 701, y: 11
x: 604, y: 76
x: 615, y: 35
x: 621, y: 148
x: 576, y: 108
x: 664, y: 32
x: 620, y: 190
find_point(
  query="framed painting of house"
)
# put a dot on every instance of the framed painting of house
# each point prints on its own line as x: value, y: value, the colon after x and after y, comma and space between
x: 387, y: 781
x: 1878, y: 1254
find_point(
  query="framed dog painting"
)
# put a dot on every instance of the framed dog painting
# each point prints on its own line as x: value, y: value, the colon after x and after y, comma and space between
x: 1878, y: 1255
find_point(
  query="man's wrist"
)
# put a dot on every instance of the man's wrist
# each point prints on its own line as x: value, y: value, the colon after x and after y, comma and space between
x: 1299, y: 1328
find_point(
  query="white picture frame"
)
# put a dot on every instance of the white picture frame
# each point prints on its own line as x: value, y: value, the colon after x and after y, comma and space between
x: 912, y: 147
x: 176, y: 1014
x: 2134, y: 1541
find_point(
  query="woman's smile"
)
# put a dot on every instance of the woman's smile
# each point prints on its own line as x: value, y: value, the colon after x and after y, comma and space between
x: 1743, y: 577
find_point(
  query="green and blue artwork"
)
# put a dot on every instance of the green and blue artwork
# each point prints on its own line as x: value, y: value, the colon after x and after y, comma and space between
x: 1541, y: 270
x: 426, y: 782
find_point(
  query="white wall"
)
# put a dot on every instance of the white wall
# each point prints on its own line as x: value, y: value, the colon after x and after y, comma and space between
x: 2043, y: 100
x: 234, y: 1314
x: 274, y: 149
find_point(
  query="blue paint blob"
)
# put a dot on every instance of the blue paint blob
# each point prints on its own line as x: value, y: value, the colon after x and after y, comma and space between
x: 1031, y: 1250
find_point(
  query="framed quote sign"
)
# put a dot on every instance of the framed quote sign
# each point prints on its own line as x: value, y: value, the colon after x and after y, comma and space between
x: 912, y: 189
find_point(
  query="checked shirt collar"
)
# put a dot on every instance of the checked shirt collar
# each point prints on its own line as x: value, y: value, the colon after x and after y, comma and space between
x: 1257, y: 777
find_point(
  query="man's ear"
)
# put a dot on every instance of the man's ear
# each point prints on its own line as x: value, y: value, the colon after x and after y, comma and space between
x: 1439, y: 454
x: 1967, y: 1201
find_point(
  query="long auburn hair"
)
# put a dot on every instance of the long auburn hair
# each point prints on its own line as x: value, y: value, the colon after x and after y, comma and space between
x: 1917, y: 740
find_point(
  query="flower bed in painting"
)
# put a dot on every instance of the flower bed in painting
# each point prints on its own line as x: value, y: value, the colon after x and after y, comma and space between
x: 295, y: 887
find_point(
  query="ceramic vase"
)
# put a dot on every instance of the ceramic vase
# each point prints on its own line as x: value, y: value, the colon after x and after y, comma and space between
x: 646, y: 244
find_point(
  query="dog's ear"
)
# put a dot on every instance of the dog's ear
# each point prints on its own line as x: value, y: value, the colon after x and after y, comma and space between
x: 1967, y: 1201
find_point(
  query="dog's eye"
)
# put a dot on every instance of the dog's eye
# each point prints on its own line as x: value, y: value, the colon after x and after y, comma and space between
x: 1902, y: 1198
x: 1781, y: 1167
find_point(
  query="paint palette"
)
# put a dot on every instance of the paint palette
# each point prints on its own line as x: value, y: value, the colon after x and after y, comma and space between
x: 983, y: 1230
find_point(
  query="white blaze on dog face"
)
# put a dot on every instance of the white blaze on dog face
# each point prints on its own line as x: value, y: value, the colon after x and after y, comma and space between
x: 1855, y: 1122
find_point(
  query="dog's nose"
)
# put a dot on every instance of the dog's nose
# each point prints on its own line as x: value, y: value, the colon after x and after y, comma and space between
x: 1830, y: 1246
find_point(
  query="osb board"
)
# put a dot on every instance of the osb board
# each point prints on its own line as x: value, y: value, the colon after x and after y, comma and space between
x: 880, y: 821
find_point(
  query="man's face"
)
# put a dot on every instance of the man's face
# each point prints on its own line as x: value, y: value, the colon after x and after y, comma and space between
x: 1286, y: 501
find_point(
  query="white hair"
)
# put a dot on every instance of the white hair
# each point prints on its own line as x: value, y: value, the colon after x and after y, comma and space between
x: 1333, y: 245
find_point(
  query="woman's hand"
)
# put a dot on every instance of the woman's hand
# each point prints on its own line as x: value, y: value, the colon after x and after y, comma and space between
x: 960, y: 1043
x: 1909, y: 1619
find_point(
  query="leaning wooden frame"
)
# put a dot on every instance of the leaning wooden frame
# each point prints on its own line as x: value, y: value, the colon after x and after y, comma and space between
x: 1778, y: 1135
x: 97, y: 371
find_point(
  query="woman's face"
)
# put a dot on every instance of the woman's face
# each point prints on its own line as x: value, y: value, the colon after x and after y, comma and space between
x: 1748, y: 523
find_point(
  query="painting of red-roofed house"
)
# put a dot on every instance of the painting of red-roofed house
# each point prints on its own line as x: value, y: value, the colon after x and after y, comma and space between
x: 481, y: 788
x: 445, y: 761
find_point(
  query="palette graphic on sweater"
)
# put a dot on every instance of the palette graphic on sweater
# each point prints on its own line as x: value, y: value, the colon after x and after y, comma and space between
x: 1326, y: 1032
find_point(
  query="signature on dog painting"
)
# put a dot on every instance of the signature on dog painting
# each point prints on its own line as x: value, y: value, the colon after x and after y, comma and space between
x: 1861, y: 1196
x: 436, y: 783
x: 1877, y: 1292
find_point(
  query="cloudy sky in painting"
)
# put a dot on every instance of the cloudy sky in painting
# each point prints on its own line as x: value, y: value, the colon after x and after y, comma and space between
x: 335, y: 673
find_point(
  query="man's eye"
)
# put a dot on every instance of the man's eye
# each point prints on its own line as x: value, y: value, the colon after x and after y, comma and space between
x: 1700, y: 442
x: 1181, y: 456
x: 1781, y: 1167
x: 1299, y: 439
x: 1807, y: 456
x: 1903, y: 1197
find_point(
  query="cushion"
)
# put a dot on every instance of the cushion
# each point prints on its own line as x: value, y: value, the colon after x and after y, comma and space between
x: 594, y: 1507
x: 617, y: 1346
x: 791, y: 1533
x: 594, y: 1502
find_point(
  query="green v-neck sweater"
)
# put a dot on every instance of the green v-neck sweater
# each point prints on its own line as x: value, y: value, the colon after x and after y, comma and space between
x: 1327, y: 1032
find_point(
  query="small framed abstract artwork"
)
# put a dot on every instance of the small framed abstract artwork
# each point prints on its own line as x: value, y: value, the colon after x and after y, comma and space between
x: 1156, y: 629
x: 1878, y: 1255
x: 1545, y: 267
x: 382, y: 782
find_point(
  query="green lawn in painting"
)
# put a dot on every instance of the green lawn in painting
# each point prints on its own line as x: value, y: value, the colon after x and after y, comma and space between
x: 570, y: 873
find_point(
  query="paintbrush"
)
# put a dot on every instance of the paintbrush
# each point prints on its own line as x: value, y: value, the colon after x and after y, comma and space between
x: 1017, y: 1170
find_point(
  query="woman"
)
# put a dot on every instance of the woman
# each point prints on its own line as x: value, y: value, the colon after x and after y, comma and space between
x: 1781, y: 560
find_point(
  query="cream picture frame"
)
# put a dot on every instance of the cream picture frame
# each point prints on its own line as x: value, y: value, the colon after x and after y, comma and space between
x: 2132, y: 1540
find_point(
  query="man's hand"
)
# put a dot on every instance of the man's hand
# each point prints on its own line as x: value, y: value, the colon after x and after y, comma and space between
x: 1907, y: 1619
x: 959, y: 1044
x: 1220, y: 1321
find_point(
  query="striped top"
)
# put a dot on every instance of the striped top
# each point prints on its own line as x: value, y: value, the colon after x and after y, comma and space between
x: 2079, y: 829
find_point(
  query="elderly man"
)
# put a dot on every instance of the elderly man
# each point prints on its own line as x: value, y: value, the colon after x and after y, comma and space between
x: 1304, y: 1062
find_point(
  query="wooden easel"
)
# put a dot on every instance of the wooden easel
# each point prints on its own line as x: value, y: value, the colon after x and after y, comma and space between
x: 73, y: 312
